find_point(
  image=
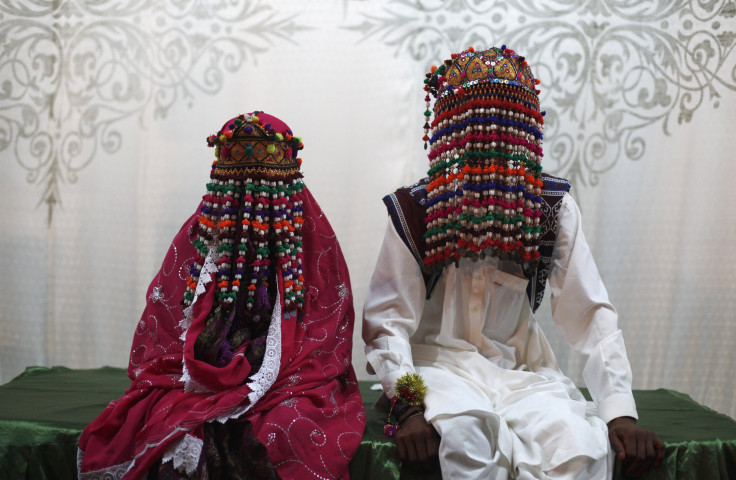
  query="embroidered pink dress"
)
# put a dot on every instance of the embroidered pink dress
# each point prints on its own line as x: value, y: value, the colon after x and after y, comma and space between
x: 301, y: 403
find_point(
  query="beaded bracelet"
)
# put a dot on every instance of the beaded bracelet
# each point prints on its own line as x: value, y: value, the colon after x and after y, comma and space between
x: 413, y: 412
x: 407, y: 402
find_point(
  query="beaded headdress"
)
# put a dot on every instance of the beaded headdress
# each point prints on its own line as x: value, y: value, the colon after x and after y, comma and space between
x: 251, y: 217
x: 483, y: 196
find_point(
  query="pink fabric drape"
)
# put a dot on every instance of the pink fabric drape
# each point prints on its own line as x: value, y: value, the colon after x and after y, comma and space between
x: 311, y: 416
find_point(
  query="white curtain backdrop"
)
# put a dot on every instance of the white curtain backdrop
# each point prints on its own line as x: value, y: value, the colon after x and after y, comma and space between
x: 105, y: 106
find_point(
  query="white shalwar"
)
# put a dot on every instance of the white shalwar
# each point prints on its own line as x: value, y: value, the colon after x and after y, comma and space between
x: 495, y: 394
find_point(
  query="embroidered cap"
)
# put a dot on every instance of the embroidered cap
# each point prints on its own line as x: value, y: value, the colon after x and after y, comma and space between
x: 246, y: 143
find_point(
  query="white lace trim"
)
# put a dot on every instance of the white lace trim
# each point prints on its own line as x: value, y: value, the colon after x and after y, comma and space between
x: 262, y: 381
x: 114, y: 472
x: 205, y: 276
x: 184, y: 454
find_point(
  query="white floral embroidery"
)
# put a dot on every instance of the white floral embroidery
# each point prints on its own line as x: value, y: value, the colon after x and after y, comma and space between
x: 343, y: 290
x: 157, y: 294
x: 289, y: 402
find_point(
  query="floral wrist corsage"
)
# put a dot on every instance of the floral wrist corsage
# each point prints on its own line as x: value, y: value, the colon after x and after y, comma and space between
x: 408, y: 401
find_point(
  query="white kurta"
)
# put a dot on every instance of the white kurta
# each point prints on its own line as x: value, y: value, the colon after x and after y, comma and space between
x: 492, y: 377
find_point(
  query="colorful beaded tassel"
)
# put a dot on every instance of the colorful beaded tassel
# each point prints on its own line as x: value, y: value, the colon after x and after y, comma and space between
x: 251, y: 218
x: 484, y: 159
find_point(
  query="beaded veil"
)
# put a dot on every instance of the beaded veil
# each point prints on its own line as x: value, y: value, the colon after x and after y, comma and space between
x: 250, y: 225
x: 485, y: 139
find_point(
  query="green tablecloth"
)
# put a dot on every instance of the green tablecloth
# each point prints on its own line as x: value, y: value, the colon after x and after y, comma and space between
x: 43, y: 411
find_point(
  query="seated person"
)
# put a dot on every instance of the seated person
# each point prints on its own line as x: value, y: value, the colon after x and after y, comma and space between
x: 241, y: 362
x: 448, y: 320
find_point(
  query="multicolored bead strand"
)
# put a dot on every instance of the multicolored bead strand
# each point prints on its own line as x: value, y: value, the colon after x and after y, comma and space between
x: 485, y: 155
x: 254, y: 196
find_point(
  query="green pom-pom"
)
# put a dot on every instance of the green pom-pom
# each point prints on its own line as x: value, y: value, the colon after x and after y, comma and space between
x: 279, y: 137
x: 271, y: 148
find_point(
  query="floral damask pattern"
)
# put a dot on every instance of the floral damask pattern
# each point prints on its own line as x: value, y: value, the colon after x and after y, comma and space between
x: 609, y: 68
x: 70, y: 71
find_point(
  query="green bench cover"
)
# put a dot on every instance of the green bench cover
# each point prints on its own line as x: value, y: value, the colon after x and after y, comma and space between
x: 43, y: 412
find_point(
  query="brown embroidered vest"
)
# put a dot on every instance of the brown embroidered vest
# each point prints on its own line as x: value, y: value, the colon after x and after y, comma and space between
x: 406, y: 206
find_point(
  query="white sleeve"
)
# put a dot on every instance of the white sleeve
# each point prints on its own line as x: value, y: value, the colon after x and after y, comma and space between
x: 582, y: 310
x: 392, y: 310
